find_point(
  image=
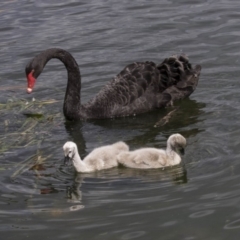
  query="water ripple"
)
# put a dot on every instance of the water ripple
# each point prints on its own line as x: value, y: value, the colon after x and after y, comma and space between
x: 198, y: 197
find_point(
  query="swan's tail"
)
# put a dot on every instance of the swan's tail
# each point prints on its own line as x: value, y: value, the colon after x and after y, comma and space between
x: 122, y: 146
x: 121, y: 158
x: 178, y: 78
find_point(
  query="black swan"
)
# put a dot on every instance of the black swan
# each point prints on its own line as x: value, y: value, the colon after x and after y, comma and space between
x: 138, y: 88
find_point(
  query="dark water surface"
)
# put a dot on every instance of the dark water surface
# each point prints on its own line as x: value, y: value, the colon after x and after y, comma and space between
x: 42, y: 199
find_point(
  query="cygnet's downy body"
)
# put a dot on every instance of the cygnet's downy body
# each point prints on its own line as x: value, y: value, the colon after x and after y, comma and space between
x: 100, y: 158
x: 146, y: 158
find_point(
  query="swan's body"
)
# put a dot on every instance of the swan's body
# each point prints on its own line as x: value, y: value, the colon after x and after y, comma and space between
x: 155, y: 158
x: 140, y: 87
x: 100, y: 158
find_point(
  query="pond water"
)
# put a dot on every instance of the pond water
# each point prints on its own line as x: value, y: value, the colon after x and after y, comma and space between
x: 40, y: 198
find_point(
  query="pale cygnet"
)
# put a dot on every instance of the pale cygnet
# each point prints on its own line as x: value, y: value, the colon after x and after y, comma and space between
x: 146, y: 158
x: 100, y: 158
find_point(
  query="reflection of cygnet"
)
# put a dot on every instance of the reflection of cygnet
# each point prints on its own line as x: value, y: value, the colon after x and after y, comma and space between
x: 100, y: 158
x: 153, y: 157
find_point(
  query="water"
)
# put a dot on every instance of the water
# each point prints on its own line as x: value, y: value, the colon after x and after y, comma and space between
x: 44, y: 199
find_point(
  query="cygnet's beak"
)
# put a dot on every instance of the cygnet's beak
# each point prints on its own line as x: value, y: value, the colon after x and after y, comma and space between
x: 182, y: 151
x: 67, y: 160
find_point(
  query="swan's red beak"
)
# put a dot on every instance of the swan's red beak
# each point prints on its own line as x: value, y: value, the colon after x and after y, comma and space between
x: 31, y: 81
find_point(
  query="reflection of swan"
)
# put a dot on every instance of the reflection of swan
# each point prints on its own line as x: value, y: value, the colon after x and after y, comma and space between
x: 176, y: 174
x: 138, y: 88
x: 100, y: 158
x: 153, y: 157
x: 74, y: 193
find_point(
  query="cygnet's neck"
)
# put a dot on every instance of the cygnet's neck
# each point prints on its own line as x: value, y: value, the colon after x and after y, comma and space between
x: 80, y: 165
x: 174, y: 157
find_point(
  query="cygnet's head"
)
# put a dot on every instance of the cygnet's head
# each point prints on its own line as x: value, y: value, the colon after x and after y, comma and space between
x: 177, y: 142
x: 69, y: 149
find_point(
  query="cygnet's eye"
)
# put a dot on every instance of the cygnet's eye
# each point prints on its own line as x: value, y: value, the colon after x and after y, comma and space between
x: 70, y: 151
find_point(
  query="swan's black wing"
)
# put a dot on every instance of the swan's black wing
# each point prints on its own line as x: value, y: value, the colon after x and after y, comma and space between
x: 183, y: 76
x: 140, y: 87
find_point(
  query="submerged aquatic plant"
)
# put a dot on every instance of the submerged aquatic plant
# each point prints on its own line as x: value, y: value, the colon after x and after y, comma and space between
x: 25, y: 124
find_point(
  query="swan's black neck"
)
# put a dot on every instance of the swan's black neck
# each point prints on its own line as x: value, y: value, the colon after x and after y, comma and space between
x: 72, y: 103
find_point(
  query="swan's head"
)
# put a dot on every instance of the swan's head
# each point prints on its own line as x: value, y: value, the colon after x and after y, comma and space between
x: 33, y: 70
x: 69, y: 149
x: 177, y: 142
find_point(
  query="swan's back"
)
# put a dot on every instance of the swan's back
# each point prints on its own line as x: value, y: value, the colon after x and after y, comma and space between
x: 144, y: 158
x: 106, y: 156
x: 141, y: 87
